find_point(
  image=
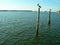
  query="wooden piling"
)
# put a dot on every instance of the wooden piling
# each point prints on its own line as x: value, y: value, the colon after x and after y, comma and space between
x: 38, y: 17
x: 49, y: 21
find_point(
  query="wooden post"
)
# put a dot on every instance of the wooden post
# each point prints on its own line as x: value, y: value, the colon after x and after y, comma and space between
x: 49, y: 21
x: 38, y: 17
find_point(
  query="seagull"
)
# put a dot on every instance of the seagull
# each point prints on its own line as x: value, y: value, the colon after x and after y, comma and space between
x: 38, y: 5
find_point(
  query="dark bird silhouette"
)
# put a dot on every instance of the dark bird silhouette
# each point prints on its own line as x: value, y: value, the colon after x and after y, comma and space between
x: 39, y: 5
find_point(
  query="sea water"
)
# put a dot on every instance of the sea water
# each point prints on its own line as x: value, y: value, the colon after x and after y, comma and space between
x: 19, y: 28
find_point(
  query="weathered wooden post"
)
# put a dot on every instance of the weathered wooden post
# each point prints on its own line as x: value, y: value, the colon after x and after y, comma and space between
x: 38, y: 17
x: 49, y: 21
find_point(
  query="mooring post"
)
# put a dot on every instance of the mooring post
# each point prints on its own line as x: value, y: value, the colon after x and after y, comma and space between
x: 49, y: 21
x: 38, y: 17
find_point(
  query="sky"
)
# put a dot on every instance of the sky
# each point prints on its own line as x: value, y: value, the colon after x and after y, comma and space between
x: 30, y: 5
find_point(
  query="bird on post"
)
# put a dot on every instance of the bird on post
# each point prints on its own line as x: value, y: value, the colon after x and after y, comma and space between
x: 39, y: 5
x: 38, y: 18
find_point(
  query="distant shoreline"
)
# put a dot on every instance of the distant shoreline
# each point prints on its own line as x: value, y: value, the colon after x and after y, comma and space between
x: 15, y: 10
x: 20, y: 11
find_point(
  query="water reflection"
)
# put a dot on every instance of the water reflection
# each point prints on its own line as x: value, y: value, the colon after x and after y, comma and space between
x: 36, y: 40
x: 48, y: 28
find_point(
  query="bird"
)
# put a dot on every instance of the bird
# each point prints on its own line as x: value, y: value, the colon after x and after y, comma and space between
x: 38, y: 5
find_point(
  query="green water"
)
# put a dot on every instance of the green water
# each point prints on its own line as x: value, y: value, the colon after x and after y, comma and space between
x: 19, y: 28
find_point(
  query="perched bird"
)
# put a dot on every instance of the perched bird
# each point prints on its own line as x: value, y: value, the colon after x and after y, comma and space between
x: 38, y: 5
